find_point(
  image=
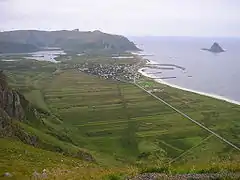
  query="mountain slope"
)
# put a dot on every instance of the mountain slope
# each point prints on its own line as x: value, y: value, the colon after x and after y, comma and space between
x: 70, y: 40
x: 14, y: 47
x: 32, y: 149
x: 20, y: 119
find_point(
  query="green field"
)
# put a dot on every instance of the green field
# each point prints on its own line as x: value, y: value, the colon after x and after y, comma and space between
x: 122, y: 120
x: 120, y: 124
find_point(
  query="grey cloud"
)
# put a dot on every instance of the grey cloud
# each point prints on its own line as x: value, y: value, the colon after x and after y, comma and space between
x: 129, y: 17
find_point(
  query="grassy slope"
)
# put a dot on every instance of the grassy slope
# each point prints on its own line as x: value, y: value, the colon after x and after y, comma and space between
x: 118, y: 123
x: 22, y: 160
x: 109, y: 117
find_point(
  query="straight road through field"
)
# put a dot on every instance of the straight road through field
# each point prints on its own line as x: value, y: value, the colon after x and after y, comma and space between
x: 186, y: 116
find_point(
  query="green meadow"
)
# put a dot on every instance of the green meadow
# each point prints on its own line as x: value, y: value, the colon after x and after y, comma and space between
x: 121, y: 125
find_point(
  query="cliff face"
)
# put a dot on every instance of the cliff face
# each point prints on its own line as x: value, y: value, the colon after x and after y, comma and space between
x: 11, y: 110
x: 10, y: 100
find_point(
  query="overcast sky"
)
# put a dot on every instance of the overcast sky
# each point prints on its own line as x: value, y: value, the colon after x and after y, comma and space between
x: 127, y: 17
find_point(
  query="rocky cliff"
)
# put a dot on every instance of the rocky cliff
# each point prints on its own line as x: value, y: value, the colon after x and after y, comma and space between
x: 13, y: 107
x: 10, y: 100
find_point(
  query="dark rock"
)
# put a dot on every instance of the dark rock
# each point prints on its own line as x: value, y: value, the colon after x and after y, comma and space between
x: 85, y: 156
x: 5, y: 124
x: 215, y: 48
x: 25, y: 137
x: 12, y: 107
x: 10, y: 100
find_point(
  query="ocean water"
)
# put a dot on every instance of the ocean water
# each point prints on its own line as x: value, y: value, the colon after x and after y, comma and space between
x: 46, y: 55
x: 206, y: 72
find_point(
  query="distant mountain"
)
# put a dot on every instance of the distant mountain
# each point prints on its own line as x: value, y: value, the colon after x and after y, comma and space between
x: 75, y: 41
x: 215, y: 48
x: 13, y: 47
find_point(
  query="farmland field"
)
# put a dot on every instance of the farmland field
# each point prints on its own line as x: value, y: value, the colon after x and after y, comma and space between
x: 121, y: 124
x: 121, y: 120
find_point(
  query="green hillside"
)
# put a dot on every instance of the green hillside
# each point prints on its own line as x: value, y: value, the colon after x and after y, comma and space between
x: 107, y: 126
x: 74, y: 41
x: 14, y: 47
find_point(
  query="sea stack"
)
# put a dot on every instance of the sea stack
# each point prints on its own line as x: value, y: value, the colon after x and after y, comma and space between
x: 215, y: 48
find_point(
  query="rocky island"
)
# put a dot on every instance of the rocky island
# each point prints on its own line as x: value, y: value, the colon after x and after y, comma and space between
x: 215, y: 48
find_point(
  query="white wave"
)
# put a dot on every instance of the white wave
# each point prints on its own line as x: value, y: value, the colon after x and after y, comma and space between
x: 9, y: 60
x: 186, y: 89
x: 123, y: 57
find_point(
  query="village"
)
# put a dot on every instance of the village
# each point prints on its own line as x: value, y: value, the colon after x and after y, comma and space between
x: 119, y: 72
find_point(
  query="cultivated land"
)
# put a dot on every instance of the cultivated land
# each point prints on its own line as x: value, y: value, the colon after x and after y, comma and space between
x: 120, y: 124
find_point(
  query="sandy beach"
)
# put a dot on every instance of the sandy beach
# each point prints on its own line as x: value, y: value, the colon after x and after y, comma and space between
x: 141, y: 71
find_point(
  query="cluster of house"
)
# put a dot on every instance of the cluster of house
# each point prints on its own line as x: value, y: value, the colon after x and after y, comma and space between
x: 118, y: 72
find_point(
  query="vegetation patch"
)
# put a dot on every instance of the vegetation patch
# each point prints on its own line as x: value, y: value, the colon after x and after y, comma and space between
x: 118, y: 123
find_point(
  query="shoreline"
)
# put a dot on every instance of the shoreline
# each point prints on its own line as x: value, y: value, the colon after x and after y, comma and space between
x: 215, y: 96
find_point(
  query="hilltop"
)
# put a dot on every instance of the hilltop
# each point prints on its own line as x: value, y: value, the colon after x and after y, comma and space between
x: 74, y: 41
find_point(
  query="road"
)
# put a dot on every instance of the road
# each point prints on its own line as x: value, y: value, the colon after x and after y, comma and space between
x: 186, y: 116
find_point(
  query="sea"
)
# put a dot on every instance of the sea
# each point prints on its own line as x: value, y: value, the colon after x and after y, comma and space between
x: 46, y: 55
x: 203, y: 72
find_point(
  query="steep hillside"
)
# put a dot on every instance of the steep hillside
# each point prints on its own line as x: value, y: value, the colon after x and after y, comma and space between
x: 32, y: 149
x: 22, y: 120
x: 10, y: 100
x: 14, y: 109
x: 69, y: 40
x: 14, y: 47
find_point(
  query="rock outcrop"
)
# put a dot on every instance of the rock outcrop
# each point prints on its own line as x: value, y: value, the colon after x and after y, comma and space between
x: 215, y: 48
x: 10, y: 100
x: 12, y: 105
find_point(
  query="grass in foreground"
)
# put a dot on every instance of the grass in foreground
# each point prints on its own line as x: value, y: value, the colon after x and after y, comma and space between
x: 23, y: 160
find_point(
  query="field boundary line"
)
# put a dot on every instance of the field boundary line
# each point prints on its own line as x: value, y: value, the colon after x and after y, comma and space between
x: 185, y: 152
x: 188, y: 117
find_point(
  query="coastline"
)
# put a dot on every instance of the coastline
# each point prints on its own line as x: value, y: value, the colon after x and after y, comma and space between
x: 185, y: 89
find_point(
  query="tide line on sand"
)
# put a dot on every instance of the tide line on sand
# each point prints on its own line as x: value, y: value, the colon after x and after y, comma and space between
x: 185, y: 89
